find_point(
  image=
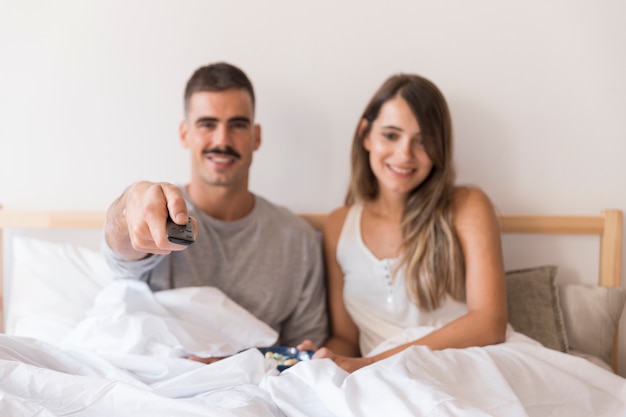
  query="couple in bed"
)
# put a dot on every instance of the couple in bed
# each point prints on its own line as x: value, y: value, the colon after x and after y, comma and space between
x: 409, y: 248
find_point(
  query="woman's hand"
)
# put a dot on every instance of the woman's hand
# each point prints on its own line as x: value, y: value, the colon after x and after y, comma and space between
x: 344, y: 362
x: 307, y: 345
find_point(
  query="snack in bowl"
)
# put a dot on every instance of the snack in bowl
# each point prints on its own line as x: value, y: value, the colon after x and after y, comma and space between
x: 286, y: 356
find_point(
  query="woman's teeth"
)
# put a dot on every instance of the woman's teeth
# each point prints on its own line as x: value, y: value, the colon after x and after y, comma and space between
x: 403, y: 171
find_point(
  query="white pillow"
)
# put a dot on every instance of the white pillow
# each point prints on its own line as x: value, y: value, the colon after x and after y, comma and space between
x: 52, y: 286
x: 591, y: 315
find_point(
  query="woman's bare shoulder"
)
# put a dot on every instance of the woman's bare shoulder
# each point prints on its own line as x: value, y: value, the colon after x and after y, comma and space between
x: 334, y: 221
x: 337, y: 216
x: 464, y: 195
x: 471, y: 202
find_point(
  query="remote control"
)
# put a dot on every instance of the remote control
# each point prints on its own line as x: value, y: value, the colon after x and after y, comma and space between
x: 182, y: 235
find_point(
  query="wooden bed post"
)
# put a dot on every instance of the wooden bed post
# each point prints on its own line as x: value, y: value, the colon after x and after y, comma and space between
x: 611, y: 262
x: 611, y: 250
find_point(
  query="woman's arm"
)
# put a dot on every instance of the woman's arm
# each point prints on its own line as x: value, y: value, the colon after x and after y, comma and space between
x: 344, y: 337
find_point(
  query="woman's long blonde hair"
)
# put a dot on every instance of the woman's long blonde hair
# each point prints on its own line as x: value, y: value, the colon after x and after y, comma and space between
x: 431, y: 251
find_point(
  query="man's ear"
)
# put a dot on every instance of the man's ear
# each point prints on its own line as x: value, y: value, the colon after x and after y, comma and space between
x: 182, y: 134
x: 362, y: 132
x: 257, y: 136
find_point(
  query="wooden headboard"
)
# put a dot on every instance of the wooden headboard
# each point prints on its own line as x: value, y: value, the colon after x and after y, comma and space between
x: 607, y: 225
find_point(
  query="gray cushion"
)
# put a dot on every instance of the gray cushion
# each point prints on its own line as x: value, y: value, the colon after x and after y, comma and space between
x: 534, y: 307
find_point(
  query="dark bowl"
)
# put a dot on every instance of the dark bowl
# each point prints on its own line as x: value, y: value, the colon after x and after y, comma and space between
x: 283, y: 353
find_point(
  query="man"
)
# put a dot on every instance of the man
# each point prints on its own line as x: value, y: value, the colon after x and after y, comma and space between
x: 262, y: 256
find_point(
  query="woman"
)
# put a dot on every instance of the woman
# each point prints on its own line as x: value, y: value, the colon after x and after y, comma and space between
x: 410, y: 248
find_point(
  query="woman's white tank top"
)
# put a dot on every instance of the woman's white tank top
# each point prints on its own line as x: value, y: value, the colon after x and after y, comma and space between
x: 378, y: 303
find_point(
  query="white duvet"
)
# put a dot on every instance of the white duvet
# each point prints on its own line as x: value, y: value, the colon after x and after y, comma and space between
x: 127, y: 358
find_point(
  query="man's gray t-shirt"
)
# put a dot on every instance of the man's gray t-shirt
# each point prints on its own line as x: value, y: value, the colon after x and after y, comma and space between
x: 269, y: 262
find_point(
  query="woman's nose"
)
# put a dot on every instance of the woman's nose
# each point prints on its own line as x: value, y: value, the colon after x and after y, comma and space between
x: 405, y: 148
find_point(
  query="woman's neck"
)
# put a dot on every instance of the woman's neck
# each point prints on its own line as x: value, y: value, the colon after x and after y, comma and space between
x: 388, y: 206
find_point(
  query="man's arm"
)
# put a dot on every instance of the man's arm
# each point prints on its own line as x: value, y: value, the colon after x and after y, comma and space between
x: 309, y: 321
x: 135, y: 222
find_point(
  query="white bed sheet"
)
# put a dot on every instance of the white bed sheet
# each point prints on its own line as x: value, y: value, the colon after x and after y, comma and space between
x: 127, y: 359
x: 516, y: 378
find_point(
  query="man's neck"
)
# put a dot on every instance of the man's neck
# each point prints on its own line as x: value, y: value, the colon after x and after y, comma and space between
x: 222, y: 203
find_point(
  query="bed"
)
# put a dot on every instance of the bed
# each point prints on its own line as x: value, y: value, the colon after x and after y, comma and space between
x: 77, y: 343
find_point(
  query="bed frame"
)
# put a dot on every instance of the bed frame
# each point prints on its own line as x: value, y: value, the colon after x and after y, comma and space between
x: 607, y: 225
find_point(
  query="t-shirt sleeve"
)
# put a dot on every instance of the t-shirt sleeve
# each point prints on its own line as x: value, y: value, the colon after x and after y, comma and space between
x: 124, y: 269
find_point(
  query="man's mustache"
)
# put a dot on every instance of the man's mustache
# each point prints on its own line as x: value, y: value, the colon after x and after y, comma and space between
x: 223, y: 151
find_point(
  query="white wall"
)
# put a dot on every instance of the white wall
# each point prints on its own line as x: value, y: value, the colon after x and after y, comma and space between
x: 91, y: 97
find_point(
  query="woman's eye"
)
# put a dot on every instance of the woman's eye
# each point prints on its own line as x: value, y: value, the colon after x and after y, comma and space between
x: 390, y: 135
